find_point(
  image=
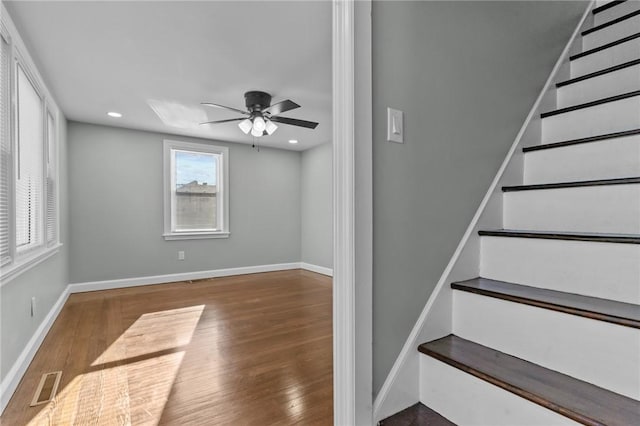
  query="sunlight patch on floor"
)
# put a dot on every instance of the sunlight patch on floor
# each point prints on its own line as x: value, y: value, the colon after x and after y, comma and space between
x: 154, y: 332
x: 130, y: 382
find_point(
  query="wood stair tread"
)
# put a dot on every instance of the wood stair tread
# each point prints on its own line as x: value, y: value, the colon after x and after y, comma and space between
x: 615, y: 135
x: 570, y: 236
x: 416, y: 415
x: 604, y: 46
x: 612, y: 22
x: 570, y: 397
x: 599, y: 73
x: 591, y: 104
x: 625, y: 314
x: 575, y: 184
x: 607, y: 6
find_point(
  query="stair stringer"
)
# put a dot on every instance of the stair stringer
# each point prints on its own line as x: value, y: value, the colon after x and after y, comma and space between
x: 401, y: 387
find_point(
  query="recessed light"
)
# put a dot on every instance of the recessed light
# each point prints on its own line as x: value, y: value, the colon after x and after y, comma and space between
x: 293, y: 141
x: 114, y: 114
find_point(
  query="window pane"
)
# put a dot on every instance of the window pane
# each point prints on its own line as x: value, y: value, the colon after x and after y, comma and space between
x: 51, y: 182
x: 29, y: 167
x: 194, y: 198
x: 5, y: 152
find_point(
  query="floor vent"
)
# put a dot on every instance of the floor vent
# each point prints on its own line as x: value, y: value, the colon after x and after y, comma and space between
x: 47, y: 388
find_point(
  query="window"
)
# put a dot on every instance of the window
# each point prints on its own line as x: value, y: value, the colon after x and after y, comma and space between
x: 196, y: 191
x: 29, y: 164
x: 28, y: 161
x: 5, y: 150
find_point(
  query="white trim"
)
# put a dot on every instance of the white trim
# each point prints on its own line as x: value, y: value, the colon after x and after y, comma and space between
x: 24, y: 258
x: 411, y: 343
x: 315, y: 268
x: 344, y: 319
x: 185, y: 276
x: 13, y: 377
x: 195, y: 235
x: 27, y: 262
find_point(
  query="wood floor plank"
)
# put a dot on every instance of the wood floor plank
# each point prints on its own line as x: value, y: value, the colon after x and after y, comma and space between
x: 251, y: 349
x: 416, y: 415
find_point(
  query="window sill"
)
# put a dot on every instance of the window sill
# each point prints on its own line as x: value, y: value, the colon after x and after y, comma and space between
x: 195, y: 235
x: 27, y: 262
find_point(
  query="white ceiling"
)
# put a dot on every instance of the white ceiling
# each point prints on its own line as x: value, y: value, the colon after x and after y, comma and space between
x: 120, y: 56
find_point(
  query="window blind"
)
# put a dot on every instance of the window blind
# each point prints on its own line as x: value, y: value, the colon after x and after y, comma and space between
x: 5, y: 152
x: 51, y: 183
x: 29, y: 167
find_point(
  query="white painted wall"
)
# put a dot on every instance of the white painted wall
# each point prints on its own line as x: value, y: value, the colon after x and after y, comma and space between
x: 117, y: 217
x: 316, y: 206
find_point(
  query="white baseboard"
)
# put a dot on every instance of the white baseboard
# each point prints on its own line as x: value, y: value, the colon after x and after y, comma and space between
x: 13, y: 377
x: 315, y: 268
x: 185, y: 276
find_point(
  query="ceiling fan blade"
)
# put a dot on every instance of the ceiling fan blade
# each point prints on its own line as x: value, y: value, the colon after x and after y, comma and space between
x: 280, y: 107
x: 295, y: 122
x: 224, y: 121
x: 224, y: 107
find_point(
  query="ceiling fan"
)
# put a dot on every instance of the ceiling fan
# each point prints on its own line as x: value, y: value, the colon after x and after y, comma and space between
x: 261, y: 116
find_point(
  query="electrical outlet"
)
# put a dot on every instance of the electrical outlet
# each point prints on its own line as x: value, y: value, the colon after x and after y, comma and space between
x: 180, y: 254
x: 33, y: 306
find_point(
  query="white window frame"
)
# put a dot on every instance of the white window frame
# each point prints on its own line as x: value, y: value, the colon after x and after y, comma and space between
x: 222, y: 188
x: 21, y: 261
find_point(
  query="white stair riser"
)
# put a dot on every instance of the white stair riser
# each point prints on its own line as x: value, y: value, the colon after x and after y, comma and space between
x: 605, y: 209
x: 596, y: 120
x: 605, y: 270
x: 616, y: 12
x: 594, y: 351
x: 606, y: 159
x: 604, y: 86
x: 611, y: 33
x: 467, y: 400
x: 616, y: 55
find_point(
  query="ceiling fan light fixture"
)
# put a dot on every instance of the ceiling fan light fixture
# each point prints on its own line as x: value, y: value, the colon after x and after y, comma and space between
x: 246, y: 126
x: 270, y: 127
x: 255, y: 132
x: 259, y: 124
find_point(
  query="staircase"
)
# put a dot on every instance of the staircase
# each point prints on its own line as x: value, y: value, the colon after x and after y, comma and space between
x: 550, y: 332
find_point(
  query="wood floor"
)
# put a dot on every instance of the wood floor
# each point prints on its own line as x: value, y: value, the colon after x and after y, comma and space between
x: 245, y: 350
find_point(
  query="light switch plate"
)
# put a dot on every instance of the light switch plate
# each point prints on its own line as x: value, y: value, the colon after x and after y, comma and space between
x: 395, y: 125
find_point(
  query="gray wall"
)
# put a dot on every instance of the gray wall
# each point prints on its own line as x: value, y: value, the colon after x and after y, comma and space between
x: 45, y: 281
x: 115, y: 184
x: 317, y: 210
x: 466, y: 75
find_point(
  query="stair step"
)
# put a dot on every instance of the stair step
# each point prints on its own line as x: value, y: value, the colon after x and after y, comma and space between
x: 625, y: 314
x: 612, y: 22
x: 608, y: 206
x: 568, y: 236
x: 614, y: 135
x: 584, y: 183
x: 598, y: 352
x: 609, y: 5
x: 573, y: 398
x: 606, y: 57
x: 416, y: 415
x: 612, y: 114
x: 582, y: 266
x: 604, y: 47
x: 591, y: 104
x: 611, y: 31
x: 612, y: 12
x: 598, y: 73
